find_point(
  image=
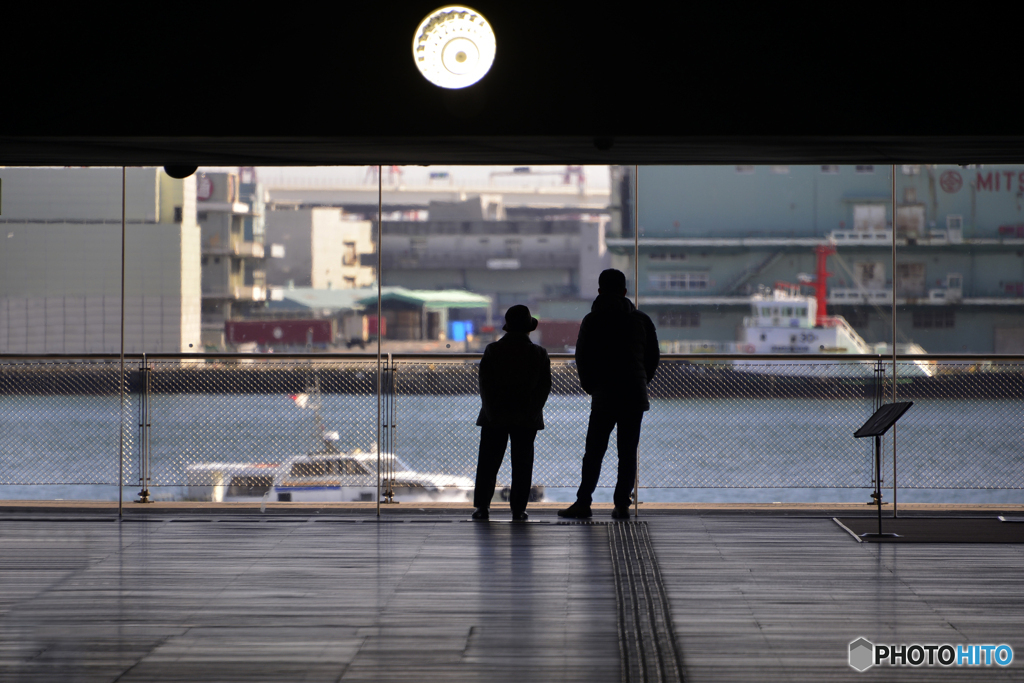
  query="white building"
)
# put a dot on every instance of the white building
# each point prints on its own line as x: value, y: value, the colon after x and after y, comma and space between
x: 60, y: 261
x: 318, y: 248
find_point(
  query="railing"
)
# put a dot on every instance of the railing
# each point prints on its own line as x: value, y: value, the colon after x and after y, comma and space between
x: 717, y: 420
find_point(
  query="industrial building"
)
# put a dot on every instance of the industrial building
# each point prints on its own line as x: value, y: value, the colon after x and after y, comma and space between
x: 60, y: 261
x: 319, y: 247
x: 710, y: 237
x: 512, y: 262
x: 407, y: 315
x: 230, y: 215
x: 524, y: 235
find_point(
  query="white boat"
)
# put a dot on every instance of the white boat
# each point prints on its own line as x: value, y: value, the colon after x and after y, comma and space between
x: 323, y: 478
x: 329, y: 475
x: 783, y: 320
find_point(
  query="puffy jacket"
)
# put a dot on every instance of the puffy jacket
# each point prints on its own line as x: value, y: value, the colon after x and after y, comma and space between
x: 617, y: 354
x: 515, y: 380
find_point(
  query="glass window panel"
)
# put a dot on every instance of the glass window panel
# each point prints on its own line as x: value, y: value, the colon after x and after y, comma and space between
x: 60, y: 260
x: 749, y: 232
x: 312, y: 257
x: 461, y: 244
x: 960, y: 258
x: 60, y: 293
x: 164, y: 262
x: 757, y: 239
x: 271, y: 261
x: 296, y: 249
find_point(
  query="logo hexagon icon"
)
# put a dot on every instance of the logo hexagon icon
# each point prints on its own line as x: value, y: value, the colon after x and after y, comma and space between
x: 861, y: 654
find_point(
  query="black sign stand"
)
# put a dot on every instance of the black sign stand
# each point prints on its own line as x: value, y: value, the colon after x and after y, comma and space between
x: 876, y: 426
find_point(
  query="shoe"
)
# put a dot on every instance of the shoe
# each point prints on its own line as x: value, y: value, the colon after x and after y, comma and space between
x: 520, y: 516
x: 576, y: 511
x: 481, y: 514
x: 620, y: 512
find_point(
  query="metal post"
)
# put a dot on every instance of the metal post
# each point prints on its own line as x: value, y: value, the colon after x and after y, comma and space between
x: 144, y: 425
x: 878, y: 398
x: 893, y: 175
x: 877, y: 495
x: 389, y: 432
x: 391, y: 429
x: 380, y: 241
x: 878, y: 480
x: 636, y: 302
x: 120, y: 447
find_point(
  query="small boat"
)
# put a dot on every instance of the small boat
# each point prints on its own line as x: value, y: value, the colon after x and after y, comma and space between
x: 323, y: 478
x: 330, y: 475
x: 783, y: 320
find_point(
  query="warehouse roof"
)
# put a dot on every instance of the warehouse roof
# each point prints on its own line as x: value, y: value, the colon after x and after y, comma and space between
x: 331, y: 300
x: 430, y: 298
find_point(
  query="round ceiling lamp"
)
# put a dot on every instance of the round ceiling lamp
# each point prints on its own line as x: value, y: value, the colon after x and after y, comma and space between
x: 454, y: 47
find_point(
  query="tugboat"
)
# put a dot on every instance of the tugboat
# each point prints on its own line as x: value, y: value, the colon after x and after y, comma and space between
x: 783, y: 320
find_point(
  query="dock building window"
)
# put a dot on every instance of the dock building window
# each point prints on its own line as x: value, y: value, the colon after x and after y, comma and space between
x: 349, y: 257
x: 783, y: 311
x: 830, y: 169
x: 675, y: 282
x: 910, y: 279
x: 668, y: 256
x: 925, y: 320
x: 869, y: 217
x: 745, y: 169
x: 865, y: 169
x: 679, y: 319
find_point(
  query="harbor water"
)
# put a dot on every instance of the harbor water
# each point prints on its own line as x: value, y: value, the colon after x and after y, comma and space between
x: 691, y: 450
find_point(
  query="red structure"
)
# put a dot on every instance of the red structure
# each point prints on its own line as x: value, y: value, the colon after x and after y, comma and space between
x: 822, y: 252
x: 280, y: 332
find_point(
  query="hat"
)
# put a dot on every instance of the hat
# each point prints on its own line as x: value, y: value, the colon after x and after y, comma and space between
x: 518, y: 319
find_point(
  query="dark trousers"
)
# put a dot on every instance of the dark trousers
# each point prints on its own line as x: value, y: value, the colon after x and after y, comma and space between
x: 598, y: 432
x: 493, y: 441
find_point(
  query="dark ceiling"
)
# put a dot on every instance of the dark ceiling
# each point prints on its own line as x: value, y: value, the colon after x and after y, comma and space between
x: 573, y: 82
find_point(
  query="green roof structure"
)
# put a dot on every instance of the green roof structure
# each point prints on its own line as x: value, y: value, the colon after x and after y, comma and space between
x: 429, y: 298
x: 332, y: 300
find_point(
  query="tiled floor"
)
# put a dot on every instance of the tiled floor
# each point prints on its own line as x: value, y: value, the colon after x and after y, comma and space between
x: 779, y: 599
x: 421, y: 597
x: 288, y: 599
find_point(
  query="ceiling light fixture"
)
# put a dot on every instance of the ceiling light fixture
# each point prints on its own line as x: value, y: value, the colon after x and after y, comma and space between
x: 454, y: 47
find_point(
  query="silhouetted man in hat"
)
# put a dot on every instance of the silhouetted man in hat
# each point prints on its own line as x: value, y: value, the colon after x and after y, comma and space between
x: 515, y: 380
x: 616, y: 355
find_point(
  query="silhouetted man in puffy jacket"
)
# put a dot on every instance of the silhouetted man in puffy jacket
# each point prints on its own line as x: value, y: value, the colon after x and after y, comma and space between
x: 616, y: 355
x: 515, y: 380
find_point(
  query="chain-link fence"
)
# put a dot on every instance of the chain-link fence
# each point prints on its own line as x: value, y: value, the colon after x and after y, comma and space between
x: 756, y: 422
x: 60, y: 422
x: 256, y: 412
